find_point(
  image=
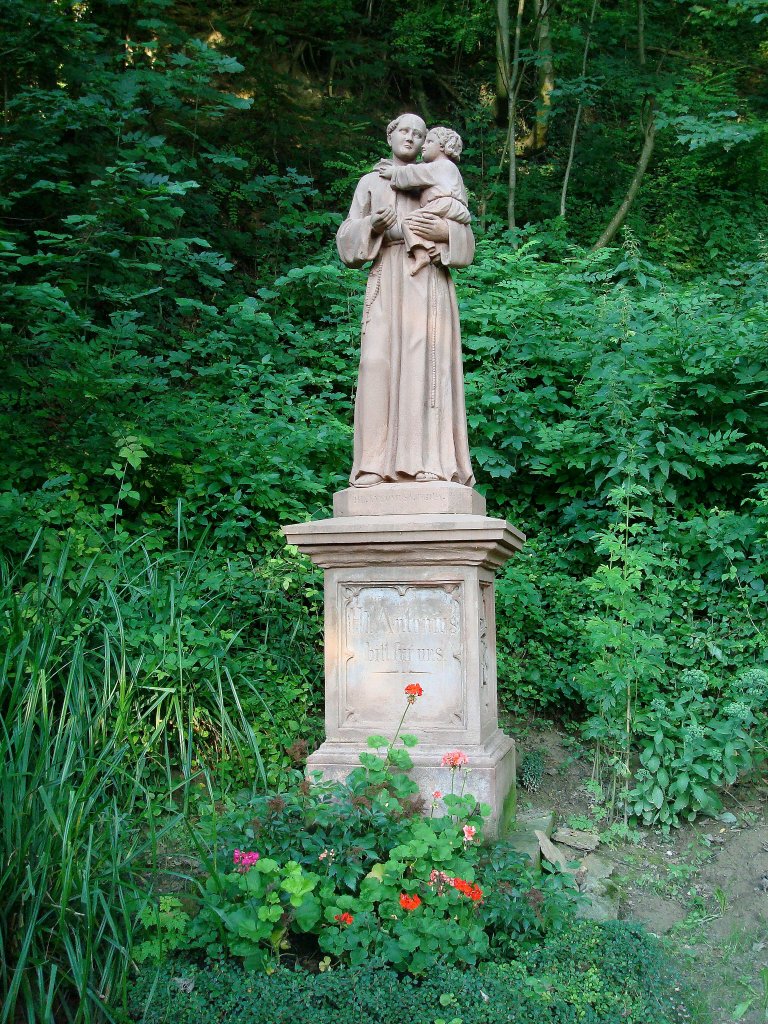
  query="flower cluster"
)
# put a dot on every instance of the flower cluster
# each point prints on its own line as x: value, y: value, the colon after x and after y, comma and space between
x: 329, y: 855
x: 469, y: 833
x: 474, y: 892
x: 344, y: 919
x: 439, y: 879
x: 454, y: 759
x: 435, y: 877
x: 412, y: 691
x: 244, y: 860
x: 409, y: 902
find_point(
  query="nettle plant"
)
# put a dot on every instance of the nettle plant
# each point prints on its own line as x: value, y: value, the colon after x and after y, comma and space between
x: 365, y: 870
x: 691, y: 747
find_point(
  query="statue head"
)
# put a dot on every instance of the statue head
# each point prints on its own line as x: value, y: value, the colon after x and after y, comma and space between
x: 442, y: 140
x: 406, y: 136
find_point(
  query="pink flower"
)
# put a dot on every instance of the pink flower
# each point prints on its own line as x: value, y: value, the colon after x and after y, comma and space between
x: 454, y: 759
x: 244, y: 860
x: 469, y: 833
x: 437, y: 795
x: 439, y: 879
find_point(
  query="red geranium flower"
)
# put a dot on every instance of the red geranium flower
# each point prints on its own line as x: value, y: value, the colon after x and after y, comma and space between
x: 409, y: 902
x: 344, y: 918
x: 474, y: 892
x: 412, y: 691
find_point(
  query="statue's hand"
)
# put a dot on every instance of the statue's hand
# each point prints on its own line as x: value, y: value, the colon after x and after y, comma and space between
x: 428, y: 226
x: 384, y: 167
x: 382, y: 219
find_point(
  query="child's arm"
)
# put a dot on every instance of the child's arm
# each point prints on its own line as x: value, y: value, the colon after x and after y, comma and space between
x: 410, y: 176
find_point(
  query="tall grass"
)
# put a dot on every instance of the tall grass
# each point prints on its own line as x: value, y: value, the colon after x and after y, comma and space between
x: 91, y: 727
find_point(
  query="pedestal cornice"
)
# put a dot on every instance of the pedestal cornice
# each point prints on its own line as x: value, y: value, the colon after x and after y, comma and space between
x: 407, y: 540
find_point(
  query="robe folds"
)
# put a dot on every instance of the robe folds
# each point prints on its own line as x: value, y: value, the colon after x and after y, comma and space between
x: 410, y: 415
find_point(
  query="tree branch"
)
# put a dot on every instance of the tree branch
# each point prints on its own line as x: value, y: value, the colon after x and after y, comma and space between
x: 642, y: 164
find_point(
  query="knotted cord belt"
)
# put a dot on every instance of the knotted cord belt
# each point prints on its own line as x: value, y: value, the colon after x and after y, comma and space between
x: 387, y: 243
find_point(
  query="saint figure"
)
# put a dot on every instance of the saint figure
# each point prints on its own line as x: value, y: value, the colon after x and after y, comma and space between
x: 410, y: 417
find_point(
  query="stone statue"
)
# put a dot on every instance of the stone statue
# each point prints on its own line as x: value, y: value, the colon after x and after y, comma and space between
x: 412, y: 221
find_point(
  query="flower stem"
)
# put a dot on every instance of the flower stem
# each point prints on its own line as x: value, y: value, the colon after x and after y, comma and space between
x: 397, y: 731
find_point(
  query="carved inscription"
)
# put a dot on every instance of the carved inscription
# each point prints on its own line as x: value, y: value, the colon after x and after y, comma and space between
x: 394, y: 634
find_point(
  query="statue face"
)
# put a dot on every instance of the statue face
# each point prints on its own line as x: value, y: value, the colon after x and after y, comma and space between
x: 432, y: 148
x: 408, y: 138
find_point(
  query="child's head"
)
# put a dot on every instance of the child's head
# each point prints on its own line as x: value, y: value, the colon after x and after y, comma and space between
x: 442, y: 141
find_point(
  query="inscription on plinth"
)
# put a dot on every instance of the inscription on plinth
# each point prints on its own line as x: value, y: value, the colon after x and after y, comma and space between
x: 393, y: 634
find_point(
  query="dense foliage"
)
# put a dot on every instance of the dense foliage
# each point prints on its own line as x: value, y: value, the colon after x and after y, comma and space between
x: 178, y: 347
x: 610, y: 974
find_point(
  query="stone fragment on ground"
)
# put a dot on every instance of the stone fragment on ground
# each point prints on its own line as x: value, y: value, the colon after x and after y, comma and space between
x: 591, y: 875
x: 523, y: 837
x: 602, y: 904
x: 591, y: 872
x: 576, y: 839
x: 598, y: 868
x: 598, y: 908
x: 551, y: 852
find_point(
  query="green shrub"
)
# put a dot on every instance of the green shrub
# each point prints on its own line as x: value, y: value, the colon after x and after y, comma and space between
x: 690, y: 748
x: 75, y: 816
x: 590, y: 974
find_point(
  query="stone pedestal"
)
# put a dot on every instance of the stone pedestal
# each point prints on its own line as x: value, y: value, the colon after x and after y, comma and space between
x: 409, y: 597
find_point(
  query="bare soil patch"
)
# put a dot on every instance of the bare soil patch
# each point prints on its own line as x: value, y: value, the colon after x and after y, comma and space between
x: 702, y: 887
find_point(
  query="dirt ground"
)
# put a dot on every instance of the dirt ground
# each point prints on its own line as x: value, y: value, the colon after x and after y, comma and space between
x: 703, y: 887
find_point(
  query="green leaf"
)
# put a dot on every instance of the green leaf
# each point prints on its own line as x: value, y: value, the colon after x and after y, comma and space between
x: 377, y: 742
x: 400, y: 759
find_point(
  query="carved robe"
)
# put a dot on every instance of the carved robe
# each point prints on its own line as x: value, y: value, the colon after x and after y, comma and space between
x: 410, y: 415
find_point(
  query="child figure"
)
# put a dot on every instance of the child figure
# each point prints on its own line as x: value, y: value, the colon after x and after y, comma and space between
x: 442, y: 190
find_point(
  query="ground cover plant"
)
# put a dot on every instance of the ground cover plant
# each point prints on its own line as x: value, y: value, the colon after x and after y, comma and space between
x: 607, y: 974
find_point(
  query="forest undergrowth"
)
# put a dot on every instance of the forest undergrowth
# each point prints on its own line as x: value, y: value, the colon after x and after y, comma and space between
x: 178, y: 352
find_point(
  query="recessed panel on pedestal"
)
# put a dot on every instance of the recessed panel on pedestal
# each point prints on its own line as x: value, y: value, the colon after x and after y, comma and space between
x: 392, y: 634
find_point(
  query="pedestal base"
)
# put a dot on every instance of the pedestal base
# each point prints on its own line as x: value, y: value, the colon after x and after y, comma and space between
x: 409, y: 598
x: 490, y: 778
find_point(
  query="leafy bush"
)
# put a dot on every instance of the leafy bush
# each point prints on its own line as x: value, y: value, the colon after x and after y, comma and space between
x: 592, y: 974
x: 115, y: 687
x: 690, y: 748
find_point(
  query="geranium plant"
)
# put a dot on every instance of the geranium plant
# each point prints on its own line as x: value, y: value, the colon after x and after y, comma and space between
x: 360, y: 867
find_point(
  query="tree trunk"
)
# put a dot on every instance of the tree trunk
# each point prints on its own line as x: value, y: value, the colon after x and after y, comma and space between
x: 536, y: 139
x: 579, y: 109
x: 619, y: 217
x: 641, y: 33
x: 502, y: 60
x: 546, y: 76
x: 569, y: 165
x: 514, y: 86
